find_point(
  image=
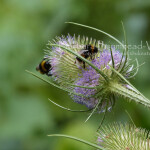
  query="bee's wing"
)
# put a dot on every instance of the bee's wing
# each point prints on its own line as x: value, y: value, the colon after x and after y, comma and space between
x: 83, y: 50
x: 37, y: 68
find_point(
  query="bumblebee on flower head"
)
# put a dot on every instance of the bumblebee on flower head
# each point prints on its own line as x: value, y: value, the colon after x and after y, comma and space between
x: 88, y: 51
x: 44, y: 67
x: 91, y: 82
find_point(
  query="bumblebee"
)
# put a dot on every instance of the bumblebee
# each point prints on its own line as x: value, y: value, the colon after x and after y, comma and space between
x: 89, y: 51
x: 44, y: 67
x: 92, y: 50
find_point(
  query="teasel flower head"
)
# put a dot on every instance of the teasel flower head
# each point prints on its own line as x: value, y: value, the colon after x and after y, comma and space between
x: 73, y: 73
x: 123, y: 136
x: 88, y: 84
x: 92, y: 73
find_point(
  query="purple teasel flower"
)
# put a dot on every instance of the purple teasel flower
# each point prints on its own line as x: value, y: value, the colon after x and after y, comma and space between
x: 91, y: 78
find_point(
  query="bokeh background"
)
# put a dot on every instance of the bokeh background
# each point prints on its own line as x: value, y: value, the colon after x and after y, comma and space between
x: 26, y: 115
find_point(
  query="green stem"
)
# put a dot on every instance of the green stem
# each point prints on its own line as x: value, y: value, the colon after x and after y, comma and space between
x: 126, y: 81
x: 79, y: 140
x: 131, y: 94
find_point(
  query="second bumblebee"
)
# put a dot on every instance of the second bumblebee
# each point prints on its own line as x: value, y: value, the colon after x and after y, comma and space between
x: 88, y: 51
x: 44, y: 67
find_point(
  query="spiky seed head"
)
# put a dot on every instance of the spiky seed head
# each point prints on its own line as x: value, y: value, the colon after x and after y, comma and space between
x: 124, y: 137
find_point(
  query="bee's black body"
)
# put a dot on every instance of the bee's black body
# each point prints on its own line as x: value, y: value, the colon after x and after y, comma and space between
x: 91, y: 49
x: 44, y: 67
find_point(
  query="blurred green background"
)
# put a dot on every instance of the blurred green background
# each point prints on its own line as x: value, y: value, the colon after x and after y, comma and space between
x: 26, y: 115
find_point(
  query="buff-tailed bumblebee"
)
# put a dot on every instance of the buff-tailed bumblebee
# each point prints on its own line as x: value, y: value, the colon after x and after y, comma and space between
x: 44, y: 67
x: 88, y: 51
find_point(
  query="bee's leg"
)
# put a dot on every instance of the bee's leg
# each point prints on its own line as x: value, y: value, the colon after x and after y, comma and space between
x: 91, y: 57
x: 75, y: 60
x: 83, y: 64
x: 49, y: 73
